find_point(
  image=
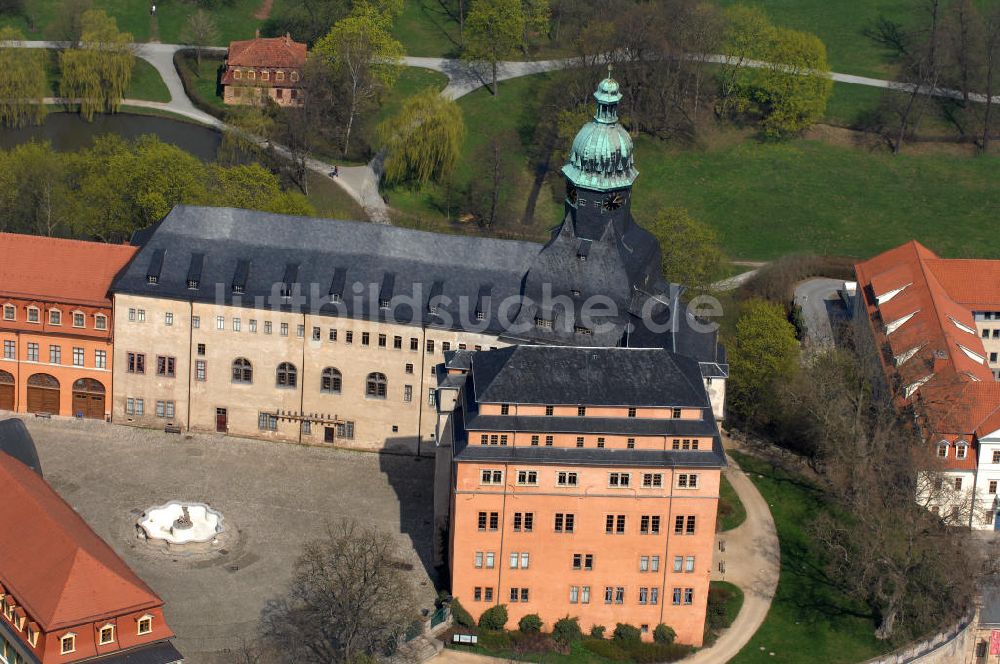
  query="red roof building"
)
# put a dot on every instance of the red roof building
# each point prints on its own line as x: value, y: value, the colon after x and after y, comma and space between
x: 936, y: 325
x: 264, y: 65
x: 56, y: 324
x: 66, y: 595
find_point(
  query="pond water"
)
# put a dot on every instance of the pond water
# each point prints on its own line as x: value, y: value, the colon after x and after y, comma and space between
x: 68, y: 132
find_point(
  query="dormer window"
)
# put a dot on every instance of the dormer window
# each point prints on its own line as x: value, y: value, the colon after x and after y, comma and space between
x: 251, y: 74
x: 9, y: 312
x: 579, y: 329
x: 279, y: 76
x: 942, y: 450
x: 237, y: 74
x: 145, y: 624
x: 961, y: 450
x: 264, y: 75
x: 101, y: 322
x: 543, y: 323
x: 295, y: 76
x: 79, y: 319
x: 67, y: 643
x: 55, y: 317
x: 33, y: 634
x: 32, y: 314
x: 192, y: 284
x: 107, y: 635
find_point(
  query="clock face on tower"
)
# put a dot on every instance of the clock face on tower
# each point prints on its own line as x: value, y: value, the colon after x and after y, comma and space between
x: 613, y: 201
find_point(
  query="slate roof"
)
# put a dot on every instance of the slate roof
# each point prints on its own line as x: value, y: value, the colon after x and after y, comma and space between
x: 715, y: 458
x: 989, y: 614
x: 37, y: 268
x: 350, y: 269
x: 56, y: 567
x: 18, y: 443
x: 587, y: 376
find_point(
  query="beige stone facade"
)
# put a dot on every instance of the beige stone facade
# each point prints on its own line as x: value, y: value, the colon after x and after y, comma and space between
x: 187, y: 380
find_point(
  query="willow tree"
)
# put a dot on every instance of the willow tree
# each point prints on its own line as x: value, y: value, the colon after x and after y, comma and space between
x: 422, y: 141
x: 99, y: 71
x: 22, y: 81
x: 361, y: 51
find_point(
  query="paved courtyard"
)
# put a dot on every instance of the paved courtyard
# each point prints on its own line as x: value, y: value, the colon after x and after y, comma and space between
x: 275, y: 495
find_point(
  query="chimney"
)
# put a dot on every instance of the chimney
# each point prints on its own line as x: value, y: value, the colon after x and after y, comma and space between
x: 288, y: 38
x: 256, y: 34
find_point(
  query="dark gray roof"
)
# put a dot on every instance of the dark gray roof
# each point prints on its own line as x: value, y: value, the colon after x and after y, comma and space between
x: 713, y: 458
x: 640, y: 426
x: 587, y: 376
x: 354, y: 269
x: 162, y: 652
x: 18, y: 443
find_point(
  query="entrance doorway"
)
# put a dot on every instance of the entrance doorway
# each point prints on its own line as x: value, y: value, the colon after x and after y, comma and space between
x: 6, y: 390
x: 221, y: 420
x: 43, y: 394
x: 88, y: 399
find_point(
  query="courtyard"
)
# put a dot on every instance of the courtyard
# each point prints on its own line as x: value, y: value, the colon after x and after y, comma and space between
x: 275, y: 496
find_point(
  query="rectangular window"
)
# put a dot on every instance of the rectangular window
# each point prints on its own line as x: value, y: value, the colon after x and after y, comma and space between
x: 130, y: 406
x: 365, y: 338
x: 574, y: 594
x: 689, y: 564
x: 494, y: 520
x: 199, y: 370
x: 644, y: 563
x: 168, y: 318
x: 317, y: 334
x: 564, y: 523
x: 689, y: 530
x: 220, y: 322
x: 585, y: 595
x: 253, y: 325
x: 131, y: 314
x: 527, y: 477
x: 529, y: 521
x: 549, y: 410
x: 678, y: 563
x: 101, y: 359
x: 165, y: 366
x: 630, y: 444
x: 135, y: 362
x: 652, y: 480
x: 55, y: 354
x: 676, y: 413
x: 196, y: 322
x: 687, y: 481
x: 33, y: 352
x: 161, y: 408
x: 548, y: 441
x: 481, y: 521
x: 79, y: 320
x: 581, y: 411
x: 579, y: 441
x: 609, y: 594
x: 430, y: 346
x: 78, y: 354
x: 267, y: 327
x: 477, y: 594
x: 654, y: 564
x: 654, y: 595
x: 140, y: 407
x: 631, y: 412
x: 9, y: 350
x: 618, y: 479
x: 490, y: 560
x: 479, y: 559
x: 564, y: 478
x: 491, y: 477
x: 407, y: 393
x: 237, y: 324
x: 55, y: 317
x: 505, y: 409
x: 283, y: 329
x: 688, y: 596
x: 649, y: 525
x: 534, y: 440
x: 487, y: 594
x: 300, y: 331
x: 397, y: 343
x: 619, y: 595
x: 996, y: 456
x: 643, y: 595
x: 267, y: 422
x: 677, y: 597
x: 992, y: 487
x: 414, y: 343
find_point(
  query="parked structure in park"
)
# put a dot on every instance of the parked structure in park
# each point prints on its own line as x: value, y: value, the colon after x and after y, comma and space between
x: 579, y: 482
x: 936, y: 329
x: 322, y: 331
x: 66, y: 596
x: 264, y: 67
x: 56, y: 324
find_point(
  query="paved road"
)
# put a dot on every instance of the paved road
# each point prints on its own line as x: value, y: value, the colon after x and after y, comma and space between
x: 822, y: 310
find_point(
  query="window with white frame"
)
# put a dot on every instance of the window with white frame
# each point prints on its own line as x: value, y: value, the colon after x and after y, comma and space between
x: 145, y: 624
x: 67, y: 643
x: 527, y: 477
x: 961, y: 450
x: 687, y: 481
x: 100, y: 322
x: 618, y: 479
x: 79, y: 319
x: 491, y: 477
x: 942, y: 450
x: 9, y: 312
x: 55, y: 317
x: 107, y: 635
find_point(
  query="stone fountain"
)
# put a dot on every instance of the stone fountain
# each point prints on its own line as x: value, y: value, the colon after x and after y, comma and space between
x: 182, y: 526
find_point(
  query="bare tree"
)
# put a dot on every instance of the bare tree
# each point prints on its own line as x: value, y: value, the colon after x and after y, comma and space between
x: 200, y: 31
x: 349, y: 599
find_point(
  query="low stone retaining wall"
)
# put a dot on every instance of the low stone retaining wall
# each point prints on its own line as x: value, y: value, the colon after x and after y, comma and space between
x: 947, y: 647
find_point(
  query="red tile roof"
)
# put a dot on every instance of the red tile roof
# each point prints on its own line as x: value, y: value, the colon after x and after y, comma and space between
x: 267, y: 52
x: 934, y: 348
x: 58, y: 270
x: 53, y: 564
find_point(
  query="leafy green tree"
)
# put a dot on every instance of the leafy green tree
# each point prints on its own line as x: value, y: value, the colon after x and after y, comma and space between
x: 691, y: 253
x: 494, y: 29
x: 361, y: 49
x: 790, y: 92
x: 765, y: 353
x: 98, y: 72
x: 536, y: 19
x: 22, y: 81
x: 424, y: 140
x: 253, y: 187
x: 34, y: 194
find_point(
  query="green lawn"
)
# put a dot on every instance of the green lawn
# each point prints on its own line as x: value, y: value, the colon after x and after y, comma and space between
x: 331, y: 201
x: 206, y: 79
x: 732, y: 513
x: 840, y: 24
x: 427, y: 29
x: 810, y: 619
x: 410, y: 82
x: 235, y: 21
x: 146, y: 82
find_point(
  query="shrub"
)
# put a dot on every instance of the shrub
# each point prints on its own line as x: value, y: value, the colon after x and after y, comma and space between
x: 625, y: 633
x: 607, y: 649
x: 664, y: 634
x: 567, y: 631
x: 776, y: 281
x: 597, y: 631
x: 652, y: 653
x: 494, y: 618
x: 530, y: 623
x: 496, y: 641
x: 460, y: 616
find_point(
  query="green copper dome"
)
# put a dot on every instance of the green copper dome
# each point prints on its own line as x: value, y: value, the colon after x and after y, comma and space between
x: 602, y: 156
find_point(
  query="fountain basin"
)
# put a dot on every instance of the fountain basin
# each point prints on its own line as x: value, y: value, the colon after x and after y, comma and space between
x: 179, y: 523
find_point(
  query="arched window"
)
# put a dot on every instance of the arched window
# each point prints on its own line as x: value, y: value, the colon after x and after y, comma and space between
x: 243, y: 370
x: 331, y: 381
x: 376, y: 386
x: 287, y: 375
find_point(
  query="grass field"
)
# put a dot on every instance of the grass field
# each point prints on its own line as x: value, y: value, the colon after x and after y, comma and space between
x: 332, y: 201
x: 235, y: 21
x: 765, y: 199
x: 206, y: 81
x: 810, y: 620
x: 146, y: 82
x: 732, y: 513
